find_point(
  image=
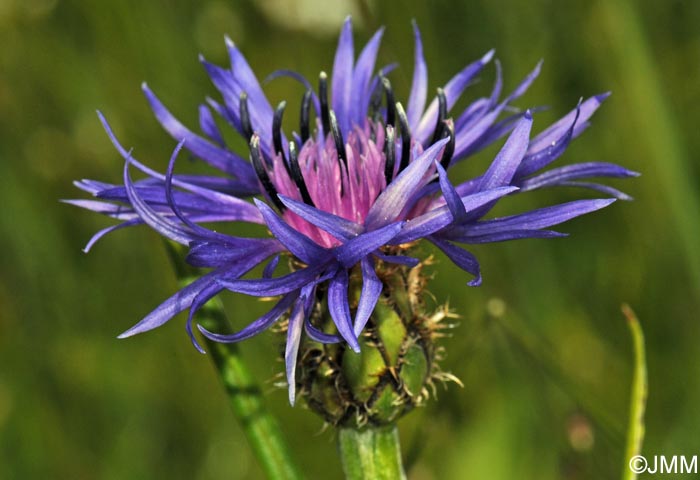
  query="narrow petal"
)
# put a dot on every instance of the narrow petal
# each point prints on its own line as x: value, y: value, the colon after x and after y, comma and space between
x: 172, y: 306
x: 507, y: 236
x: 314, y: 333
x: 258, y: 326
x: 233, y: 243
x: 224, y: 185
x: 577, y: 171
x: 399, y: 193
x: 441, y: 217
x: 497, y: 86
x: 492, y: 134
x: 183, y: 298
x: 271, y: 287
x: 291, y: 351
x: 209, y: 127
x: 354, y: 250
x: 157, y: 222
x: 470, y: 135
x: 556, y: 130
x: 613, y: 192
x: 452, y: 198
x: 206, y: 294
x: 534, y: 220
x: 339, y: 227
x: 502, y: 169
x: 419, y: 87
x: 301, y: 79
x: 212, y: 254
x: 217, y: 157
x: 248, y: 83
x: 522, y: 87
x: 535, y: 161
x: 246, y: 209
x: 270, y: 268
x: 462, y: 258
x: 361, y: 79
x: 342, y: 77
x: 319, y: 336
x: 105, y: 208
x: 397, y: 259
x: 371, y: 290
x: 340, y: 309
x: 97, y: 236
x: 297, y: 243
x: 226, y: 84
x: 453, y: 90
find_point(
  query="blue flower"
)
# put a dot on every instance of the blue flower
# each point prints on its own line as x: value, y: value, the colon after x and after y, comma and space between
x: 355, y: 189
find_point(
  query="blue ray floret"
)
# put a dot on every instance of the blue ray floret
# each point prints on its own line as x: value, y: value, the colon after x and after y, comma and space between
x: 360, y: 184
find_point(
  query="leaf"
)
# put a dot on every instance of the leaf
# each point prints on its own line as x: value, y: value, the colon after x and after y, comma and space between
x: 640, y: 389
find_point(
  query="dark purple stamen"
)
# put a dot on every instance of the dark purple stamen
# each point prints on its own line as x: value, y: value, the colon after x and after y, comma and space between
x: 389, y: 154
x: 338, y: 139
x: 297, y: 175
x: 375, y: 103
x: 405, y: 137
x: 257, y: 160
x: 323, y: 98
x: 304, y: 120
x: 447, y: 130
x: 390, y: 116
x: 442, y: 115
x: 277, y: 130
x: 245, y: 116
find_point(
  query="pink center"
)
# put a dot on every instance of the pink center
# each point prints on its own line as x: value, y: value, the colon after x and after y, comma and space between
x: 347, y: 194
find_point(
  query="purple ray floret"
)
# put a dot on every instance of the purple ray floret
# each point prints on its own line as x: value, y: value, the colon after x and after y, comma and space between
x: 357, y: 188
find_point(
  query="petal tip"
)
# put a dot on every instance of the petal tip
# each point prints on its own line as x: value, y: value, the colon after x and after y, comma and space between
x: 488, y: 56
x: 127, y: 334
x: 601, y: 97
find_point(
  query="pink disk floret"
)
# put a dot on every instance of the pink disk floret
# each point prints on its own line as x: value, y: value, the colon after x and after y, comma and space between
x: 347, y: 194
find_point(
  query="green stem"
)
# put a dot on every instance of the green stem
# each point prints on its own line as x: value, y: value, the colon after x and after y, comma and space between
x: 640, y: 389
x: 371, y: 453
x: 245, y: 397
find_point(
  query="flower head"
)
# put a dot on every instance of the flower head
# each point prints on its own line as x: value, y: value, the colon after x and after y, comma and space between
x: 363, y: 180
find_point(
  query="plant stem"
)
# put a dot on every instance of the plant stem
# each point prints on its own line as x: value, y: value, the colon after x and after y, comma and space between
x: 245, y: 397
x: 640, y: 390
x: 371, y: 453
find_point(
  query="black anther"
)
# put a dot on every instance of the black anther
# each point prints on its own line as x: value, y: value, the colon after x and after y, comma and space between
x: 245, y: 116
x: 256, y: 158
x: 390, y: 116
x: 338, y: 139
x: 389, y: 154
x: 277, y: 130
x: 297, y: 175
x: 442, y: 115
x: 304, y: 120
x: 405, y: 137
x: 448, y: 130
x: 323, y: 98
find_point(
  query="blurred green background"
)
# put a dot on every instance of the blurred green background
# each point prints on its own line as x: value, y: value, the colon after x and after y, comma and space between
x: 542, y: 348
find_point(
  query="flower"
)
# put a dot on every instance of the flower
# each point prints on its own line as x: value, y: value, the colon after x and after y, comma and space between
x: 348, y: 193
